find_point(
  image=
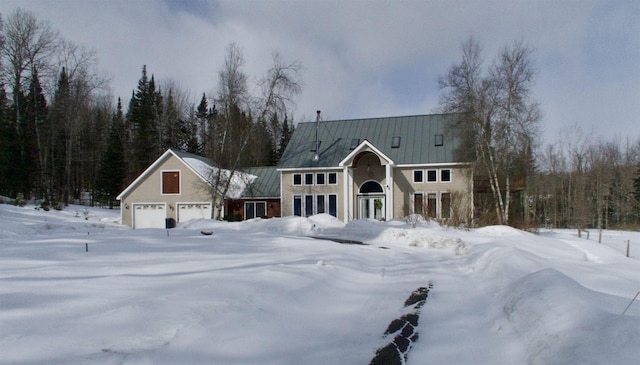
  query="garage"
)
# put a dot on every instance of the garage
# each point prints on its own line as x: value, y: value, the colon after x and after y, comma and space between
x: 188, y: 211
x: 149, y: 215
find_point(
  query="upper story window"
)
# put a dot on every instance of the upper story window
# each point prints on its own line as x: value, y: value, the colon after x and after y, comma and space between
x: 333, y: 178
x: 308, y: 178
x: 320, y: 178
x: 297, y: 179
x: 445, y: 175
x: 432, y: 175
x: 418, y: 176
x: 170, y: 182
x: 439, y: 140
x: 395, y: 142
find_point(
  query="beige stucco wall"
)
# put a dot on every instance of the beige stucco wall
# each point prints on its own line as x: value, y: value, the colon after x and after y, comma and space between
x: 369, y: 168
x: 404, y: 188
x: 149, y: 190
x: 288, y: 190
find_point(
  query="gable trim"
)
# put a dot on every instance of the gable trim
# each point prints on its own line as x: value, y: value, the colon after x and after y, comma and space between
x: 361, y: 147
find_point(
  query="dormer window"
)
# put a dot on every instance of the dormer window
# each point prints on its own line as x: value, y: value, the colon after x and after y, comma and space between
x: 354, y: 143
x: 395, y: 142
x: 439, y: 140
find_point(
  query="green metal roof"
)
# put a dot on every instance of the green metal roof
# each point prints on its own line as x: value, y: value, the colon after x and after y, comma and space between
x: 266, y: 185
x: 417, y: 140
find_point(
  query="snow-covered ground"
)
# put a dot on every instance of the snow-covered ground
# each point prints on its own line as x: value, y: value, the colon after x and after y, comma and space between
x: 264, y: 292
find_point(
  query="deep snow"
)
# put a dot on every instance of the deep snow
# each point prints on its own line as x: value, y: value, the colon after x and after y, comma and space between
x: 263, y: 292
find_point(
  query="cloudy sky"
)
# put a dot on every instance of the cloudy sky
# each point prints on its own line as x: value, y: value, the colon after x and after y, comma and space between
x: 371, y: 58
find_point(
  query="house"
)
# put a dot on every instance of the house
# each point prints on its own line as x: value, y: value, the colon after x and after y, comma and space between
x: 260, y: 198
x: 377, y: 168
x: 175, y: 188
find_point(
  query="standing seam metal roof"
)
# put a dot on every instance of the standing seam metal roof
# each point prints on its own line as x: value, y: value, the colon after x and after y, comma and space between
x: 417, y: 140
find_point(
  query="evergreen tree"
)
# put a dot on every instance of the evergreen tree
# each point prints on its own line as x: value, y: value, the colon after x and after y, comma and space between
x: 285, y: 137
x: 111, y: 176
x: 145, y: 108
x: 59, y: 143
x: 31, y: 137
x: 9, y: 148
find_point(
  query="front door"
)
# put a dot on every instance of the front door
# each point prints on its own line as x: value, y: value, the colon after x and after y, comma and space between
x: 371, y: 207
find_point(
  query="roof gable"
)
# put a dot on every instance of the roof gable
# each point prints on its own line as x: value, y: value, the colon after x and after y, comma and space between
x: 417, y: 140
x: 202, y: 167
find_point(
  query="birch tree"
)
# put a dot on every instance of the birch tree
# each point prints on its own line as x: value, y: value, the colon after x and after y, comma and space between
x: 499, y: 115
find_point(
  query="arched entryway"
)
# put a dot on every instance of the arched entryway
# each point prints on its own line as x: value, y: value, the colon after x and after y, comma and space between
x: 371, y: 201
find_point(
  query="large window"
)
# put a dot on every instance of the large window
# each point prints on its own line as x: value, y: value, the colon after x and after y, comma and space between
x: 418, y: 203
x: 255, y: 210
x: 320, y: 204
x: 308, y: 205
x: 333, y: 205
x: 445, y: 205
x: 171, y: 182
x: 297, y: 205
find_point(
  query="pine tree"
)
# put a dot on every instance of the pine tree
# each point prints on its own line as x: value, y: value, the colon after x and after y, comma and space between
x: 111, y: 176
x: 31, y: 138
x: 145, y: 109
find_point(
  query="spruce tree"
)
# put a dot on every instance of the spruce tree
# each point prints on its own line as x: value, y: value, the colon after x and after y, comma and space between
x: 31, y: 138
x: 111, y: 175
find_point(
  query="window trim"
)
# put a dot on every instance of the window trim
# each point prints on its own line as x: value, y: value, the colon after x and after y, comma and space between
x: 162, y: 182
x: 329, y: 178
x: 255, y: 208
x: 436, y: 176
x: 307, y: 175
x: 324, y: 179
x: 450, y: 176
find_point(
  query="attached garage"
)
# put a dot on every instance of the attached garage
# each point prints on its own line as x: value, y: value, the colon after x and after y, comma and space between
x: 188, y: 211
x: 149, y: 215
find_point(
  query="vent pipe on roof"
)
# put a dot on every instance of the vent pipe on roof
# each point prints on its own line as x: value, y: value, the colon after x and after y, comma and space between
x: 316, y: 157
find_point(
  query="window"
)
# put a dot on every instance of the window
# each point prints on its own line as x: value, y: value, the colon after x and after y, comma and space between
x: 320, y: 204
x: 432, y: 175
x: 395, y: 142
x: 418, y: 203
x: 439, y: 140
x: 333, y: 205
x: 308, y: 205
x: 320, y: 178
x: 170, y: 182
x: 297, y: 205
x: 445, y: 175
x: 445, y: 205
x: 354, y: 143
x: 255, y: 209
x: 333, y: 178
x: 308, y: 179
x: 432, y: 200
x: 297, y: 179
x: 418, y: 176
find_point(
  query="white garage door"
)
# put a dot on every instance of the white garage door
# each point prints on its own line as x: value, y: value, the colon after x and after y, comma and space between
x: 149, y: 215
x: 187, y: 211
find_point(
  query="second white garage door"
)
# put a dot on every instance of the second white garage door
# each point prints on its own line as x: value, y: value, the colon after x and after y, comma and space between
x: 187, y: 211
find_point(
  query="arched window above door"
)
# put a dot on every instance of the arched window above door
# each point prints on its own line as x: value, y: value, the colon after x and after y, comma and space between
x: 371, y: 187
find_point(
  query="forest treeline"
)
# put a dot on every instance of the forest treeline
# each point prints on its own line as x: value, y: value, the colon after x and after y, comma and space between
x: 64, y: 137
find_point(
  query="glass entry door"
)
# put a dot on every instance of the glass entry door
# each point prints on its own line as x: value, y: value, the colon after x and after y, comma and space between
x: 371, y: 207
